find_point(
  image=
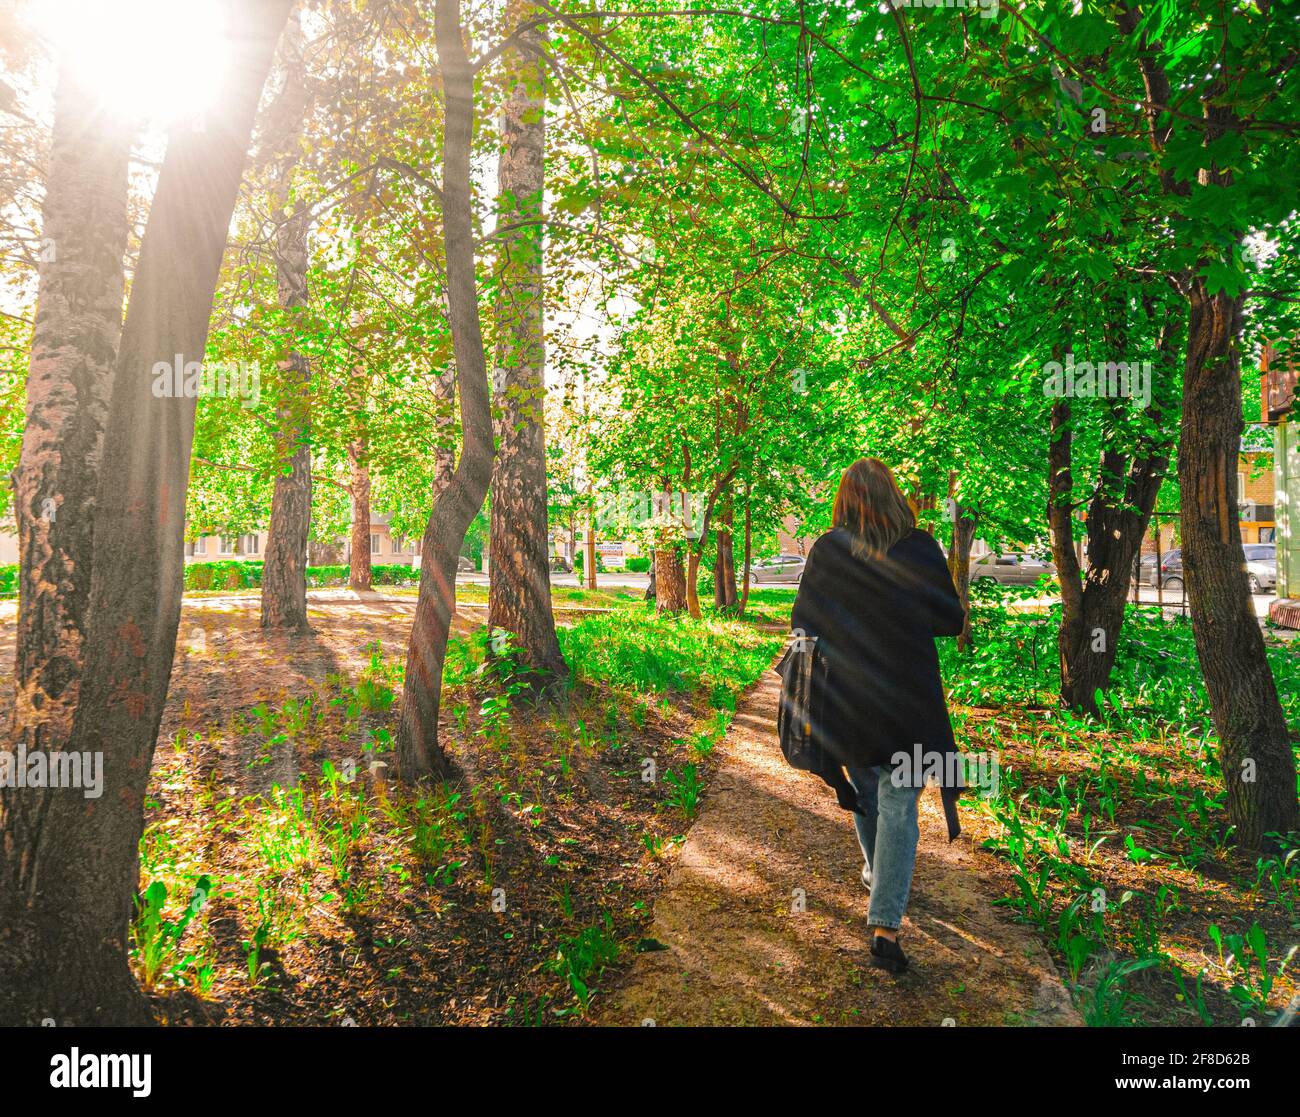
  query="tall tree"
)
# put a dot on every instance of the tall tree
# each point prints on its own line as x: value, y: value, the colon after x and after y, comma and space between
x: 419, y: 754
x: 74, y: 343
x: 358, y: 449
x: 284, y: 567
x: 68, y: 865
x: 1219, y: 168
x: 724, y: 567
x: 519, y: 599
x: 1132, y: 466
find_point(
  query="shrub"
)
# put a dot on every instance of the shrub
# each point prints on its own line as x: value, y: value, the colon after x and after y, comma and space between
x: 233, y: 574
x: 379, y: 575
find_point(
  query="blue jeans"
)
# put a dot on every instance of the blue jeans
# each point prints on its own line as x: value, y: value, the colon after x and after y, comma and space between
x: 886, y: 822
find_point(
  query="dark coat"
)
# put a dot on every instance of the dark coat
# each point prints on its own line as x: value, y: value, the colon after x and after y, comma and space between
x: 876, y: 620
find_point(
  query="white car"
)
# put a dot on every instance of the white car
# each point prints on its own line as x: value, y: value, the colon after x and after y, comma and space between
x: 1261, y: 566
x: 1010, y: 569
x: 782, y: 568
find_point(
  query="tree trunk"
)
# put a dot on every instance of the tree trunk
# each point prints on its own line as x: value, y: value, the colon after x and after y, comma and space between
x: 695, y: 549
x: 1117, y: 522
x: 1119, y: 510
x: 749, y: 549
x: 359, y: 486
x: 692, y: 576
x: 1115, y: 531
x: 284, y: 566
x: 964, y: 524
x: 519, y: 595
x: 1060, y: 522
x: 724, y: 570
x: 284, y: 569
x: 419, y: 754
x: 1254, y: 747
x: 670, y: 578
x: 68, y: 863
x: 78, y: 326
x: 444, y: 430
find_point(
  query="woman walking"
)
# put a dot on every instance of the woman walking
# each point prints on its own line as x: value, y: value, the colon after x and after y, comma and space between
x: 875, y: 592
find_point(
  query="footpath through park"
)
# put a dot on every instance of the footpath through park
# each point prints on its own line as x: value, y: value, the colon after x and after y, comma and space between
x: 763, y: 916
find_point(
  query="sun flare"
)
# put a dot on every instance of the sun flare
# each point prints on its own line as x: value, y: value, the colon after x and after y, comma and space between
x: 161, y: 60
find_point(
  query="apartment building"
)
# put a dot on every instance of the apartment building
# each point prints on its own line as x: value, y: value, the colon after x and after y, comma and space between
x: 386, y: 549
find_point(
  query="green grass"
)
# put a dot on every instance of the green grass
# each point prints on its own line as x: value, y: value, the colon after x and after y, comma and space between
x: 1156, y: 678
x: 642, y: 651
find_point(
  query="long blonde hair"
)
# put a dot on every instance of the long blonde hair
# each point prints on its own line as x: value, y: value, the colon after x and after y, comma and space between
x: 870, y: 506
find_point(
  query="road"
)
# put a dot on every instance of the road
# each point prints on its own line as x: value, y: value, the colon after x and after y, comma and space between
x: 613, y: 579
x: 1173, y: 602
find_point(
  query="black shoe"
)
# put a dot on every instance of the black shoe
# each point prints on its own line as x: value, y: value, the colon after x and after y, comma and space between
x: 886, y: 954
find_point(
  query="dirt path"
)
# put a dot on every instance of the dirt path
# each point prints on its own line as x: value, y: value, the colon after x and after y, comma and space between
x: 738, y: 951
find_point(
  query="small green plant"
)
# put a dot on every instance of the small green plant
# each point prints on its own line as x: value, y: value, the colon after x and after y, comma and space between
x: 494, y: 720
x: 1246, y: 960
x: 1075, y: 943
x: 436, y: 827
x: 374, y: 690
x: 1106, y: 1003
x: 1196, y: 998
x: 1280, y: 873
x: 702, y: 744
x: 282, y: 833
x: 157, y: 940
x: 684, y: 789
x: 253, y: 956
x: 654, y: 845
x: 526, y: 1013
x: 579, y: 959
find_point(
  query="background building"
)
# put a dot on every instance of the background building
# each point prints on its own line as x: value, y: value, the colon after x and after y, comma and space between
x: 1277, y: 407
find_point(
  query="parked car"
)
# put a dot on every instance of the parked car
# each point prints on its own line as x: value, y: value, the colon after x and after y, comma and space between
x: 1171, y: 565
x: 782, y: 568
x: 1261, y: 566
x: 561, y: 565
x: 1010, y: 569
x: 1260, y: 560
x: 466, y: 565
